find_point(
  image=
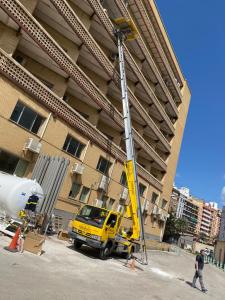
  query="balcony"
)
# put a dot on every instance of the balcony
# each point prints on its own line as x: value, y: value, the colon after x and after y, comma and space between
x: 142, y: 16
x: 67, y: 65
x: 35, y: 88
x: 131, y: 62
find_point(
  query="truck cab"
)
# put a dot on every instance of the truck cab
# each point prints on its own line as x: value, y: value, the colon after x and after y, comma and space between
x: 99, y: 228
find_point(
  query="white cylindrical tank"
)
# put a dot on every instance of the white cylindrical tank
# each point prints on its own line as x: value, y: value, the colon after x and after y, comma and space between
x: 15, y: 192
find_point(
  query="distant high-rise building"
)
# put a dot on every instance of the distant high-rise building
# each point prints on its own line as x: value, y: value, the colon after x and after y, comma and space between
x: 201, y: 217
x: 222, y: 226
x: 220, y: 243
x: 214, y: 205
x: 210, y: 221
x: 183, y: 206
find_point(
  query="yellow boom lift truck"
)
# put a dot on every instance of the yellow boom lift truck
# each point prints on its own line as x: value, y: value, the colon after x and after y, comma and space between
x: 102, y: 228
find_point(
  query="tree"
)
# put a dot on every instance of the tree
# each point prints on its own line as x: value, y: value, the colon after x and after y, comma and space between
x: 203, y: 237
x: 174, y: 228
x: 181, y: 225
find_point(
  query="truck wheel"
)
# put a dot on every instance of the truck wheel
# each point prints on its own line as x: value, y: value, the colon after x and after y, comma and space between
x: 77, y: 245
x: 126, y: 255
x: 105, y: 252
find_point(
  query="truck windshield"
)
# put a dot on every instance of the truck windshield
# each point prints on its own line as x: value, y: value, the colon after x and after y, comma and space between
x: 92, y: 215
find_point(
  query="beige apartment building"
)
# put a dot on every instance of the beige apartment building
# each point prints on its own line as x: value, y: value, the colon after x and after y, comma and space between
x: 60, y: 103
x: 202, y: 218
x: 220, y: 243
x: 210, y: 221
x: 199, y: 203
x: 184, y: 206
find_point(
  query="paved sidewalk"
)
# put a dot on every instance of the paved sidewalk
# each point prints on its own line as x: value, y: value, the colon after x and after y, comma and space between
x: 62, y: 273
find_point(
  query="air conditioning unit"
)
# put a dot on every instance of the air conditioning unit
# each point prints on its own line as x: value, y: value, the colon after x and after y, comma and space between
x: 33, y: 145
x: 163, y: 217
x: 98, y: 203
x: 159, y: 212
x: 78, y: 169
x: 120, y: 209
x: 104, y: 182
x: 146, y: 206
x: 155, y: 210
x: 124, y: 194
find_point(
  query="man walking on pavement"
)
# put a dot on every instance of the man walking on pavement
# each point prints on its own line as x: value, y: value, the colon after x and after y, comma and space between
x: 199, y: 265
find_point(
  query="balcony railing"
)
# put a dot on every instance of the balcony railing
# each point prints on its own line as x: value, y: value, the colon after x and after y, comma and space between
x: 96, y: 6
x: 124, y: 11
x: 144, y: 21
x: 79, y: 29
x: 30, y: 25
x: 35, y: 88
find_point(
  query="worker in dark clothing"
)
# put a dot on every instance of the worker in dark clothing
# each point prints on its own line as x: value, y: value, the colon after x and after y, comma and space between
x: 32, y: 202
x: 199, y: 265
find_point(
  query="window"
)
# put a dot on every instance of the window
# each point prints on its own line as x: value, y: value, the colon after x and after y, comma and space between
x: 46, y: 83
x: 91, y: 215
x: 142, y: 189
x: 75, y: 189
x: 123, y: 179
x: 104, y: 201
x: 20, y: 59
x: 154, y: 198
x: 66, y: 97
x: 12, y: 164
x: 103, y: 165
x: 111, y: 203
x: 26, y: 117
x: 112, y: 220
x: 84, y: 194
x: 83, y: 114
x: 108, y: 136
x: 164, y: 203
x: 73, y: 146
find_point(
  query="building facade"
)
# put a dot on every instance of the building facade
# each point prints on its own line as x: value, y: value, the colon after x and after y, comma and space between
x: 185, y: 207
x: 210, y: 221
x: 202, y: 218
x: 220, y: 243
x: 60, y: 98
x: 222, y: 226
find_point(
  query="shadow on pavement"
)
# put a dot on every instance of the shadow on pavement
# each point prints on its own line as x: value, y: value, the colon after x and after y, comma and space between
x: 190, y: 284
x: 94, y: 254
x: 87, y: 251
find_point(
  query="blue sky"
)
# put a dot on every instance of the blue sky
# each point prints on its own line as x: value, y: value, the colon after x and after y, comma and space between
x: 197, y: 31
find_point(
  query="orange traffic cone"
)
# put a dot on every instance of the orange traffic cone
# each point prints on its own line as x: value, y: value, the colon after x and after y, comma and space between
x: 13, y: 245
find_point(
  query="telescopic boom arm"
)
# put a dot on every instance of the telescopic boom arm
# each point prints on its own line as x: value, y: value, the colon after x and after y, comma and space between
x: 127, y: 30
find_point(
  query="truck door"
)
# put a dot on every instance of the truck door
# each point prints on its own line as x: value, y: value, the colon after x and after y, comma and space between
x: 111, y: 225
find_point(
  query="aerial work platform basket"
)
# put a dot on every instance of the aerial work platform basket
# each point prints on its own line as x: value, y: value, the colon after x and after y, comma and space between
x: 126, y: 27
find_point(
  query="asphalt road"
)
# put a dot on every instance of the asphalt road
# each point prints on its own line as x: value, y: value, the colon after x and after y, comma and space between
x: 62, y: 273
